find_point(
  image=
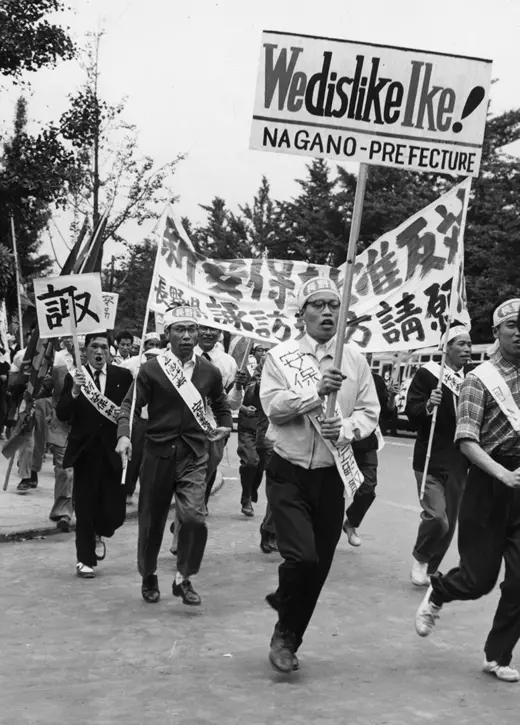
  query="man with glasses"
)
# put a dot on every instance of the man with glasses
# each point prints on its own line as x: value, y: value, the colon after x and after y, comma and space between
x: 175, y: 387
x: 305, y: 488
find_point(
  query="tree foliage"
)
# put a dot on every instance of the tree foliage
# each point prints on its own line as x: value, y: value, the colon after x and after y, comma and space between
x: 28, y: 40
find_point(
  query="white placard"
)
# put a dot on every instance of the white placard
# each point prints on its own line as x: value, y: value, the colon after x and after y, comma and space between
x: 110, y: 300
x: 58, y: 297
x: 375, y: 104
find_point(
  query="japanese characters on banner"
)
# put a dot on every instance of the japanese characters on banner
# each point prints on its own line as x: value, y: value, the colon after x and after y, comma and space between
x: 375, y: 104
x: 110, y: 300
x: 59, y: 299
x: 400, y: 293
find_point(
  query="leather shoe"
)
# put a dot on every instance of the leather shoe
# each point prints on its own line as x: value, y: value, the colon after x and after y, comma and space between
x: 150, y: 589
x: 101, y: 549
x: 247, y: 508
x: 186, y: 592
x: 273, y: 599
x: 63, y: 525
x: 281, y: 653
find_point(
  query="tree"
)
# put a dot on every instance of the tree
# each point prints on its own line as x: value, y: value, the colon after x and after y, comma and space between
x: 311, y: 226
x: 36, y: 172
x: 261, y: 220
x: 224, y: 234
x: 28, y: 41
x: 131, y: 188
x: 132, y: 281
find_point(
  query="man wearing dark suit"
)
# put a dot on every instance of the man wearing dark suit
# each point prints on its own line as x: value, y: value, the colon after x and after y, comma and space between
x: 99, y: 497
x: 175, y: 456
x: 448, y: 467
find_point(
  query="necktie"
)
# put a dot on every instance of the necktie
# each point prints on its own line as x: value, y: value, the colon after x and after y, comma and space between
x: 97, y: 383
x: 205, y: 354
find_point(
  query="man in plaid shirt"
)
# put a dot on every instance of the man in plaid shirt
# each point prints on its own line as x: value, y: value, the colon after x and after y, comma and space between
x: 488, y: 433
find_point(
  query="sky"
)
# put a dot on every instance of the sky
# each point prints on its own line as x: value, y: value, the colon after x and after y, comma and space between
x: 189, y: 71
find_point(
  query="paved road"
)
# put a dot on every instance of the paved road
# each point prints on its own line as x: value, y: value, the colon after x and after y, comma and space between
x: 93, y: 653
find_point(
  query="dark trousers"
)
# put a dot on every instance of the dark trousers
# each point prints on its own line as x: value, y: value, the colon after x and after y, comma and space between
x: 253, y: 461
x: 366, y: 493
x: 134, y: 465
x: 99, y: 501
x: 489, y: 531
x: 308, y: 508
x: 440, y: 509
x: 165, y: 473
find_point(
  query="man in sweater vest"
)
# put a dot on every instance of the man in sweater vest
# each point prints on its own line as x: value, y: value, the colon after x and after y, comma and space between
x: 175, y: 387
x: 448, y: 467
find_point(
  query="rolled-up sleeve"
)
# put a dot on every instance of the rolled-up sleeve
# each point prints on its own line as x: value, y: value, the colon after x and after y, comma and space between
x: 470, y: 411
x: 280, y: 403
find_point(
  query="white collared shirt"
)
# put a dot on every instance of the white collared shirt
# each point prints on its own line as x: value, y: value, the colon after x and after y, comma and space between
x: 102, y: 377
x: 224, y: 362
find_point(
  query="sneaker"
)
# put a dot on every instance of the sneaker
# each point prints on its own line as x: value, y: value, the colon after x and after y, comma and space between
x: 101, y: 549
x: 84, y: 571
x: 24, y: 486
x: 247, y: 508
x: 352, y: 534
x: 186, y: 592
x: 419, y: 574
x: 281, y: 652
x: 502, y: 672
x: 426, y: 615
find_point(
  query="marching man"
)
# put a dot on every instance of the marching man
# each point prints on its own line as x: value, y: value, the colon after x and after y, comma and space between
x: 488, y: 433
x: 312, y: 461
x: 178, y: 435
x: 90, y: 402
x: 448, y: 467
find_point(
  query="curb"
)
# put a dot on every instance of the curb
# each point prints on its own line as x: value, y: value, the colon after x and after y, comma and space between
x: 51, y: 530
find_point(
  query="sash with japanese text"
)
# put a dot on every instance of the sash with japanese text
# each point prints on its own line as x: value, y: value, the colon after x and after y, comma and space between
x: 300, y: 371
x: 188, y: 392
x: 401, y: 289
x: 449, y: 378
x: 499, y: 389
x: 95, y: 397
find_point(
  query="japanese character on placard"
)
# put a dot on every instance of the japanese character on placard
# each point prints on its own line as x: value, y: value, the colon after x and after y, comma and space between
x: 450, y: 221
x: 256, y: 279
x: 383, y: 272
x: 355, y: 325
x: 280, y: 281
x: 59, y: 302
x: 408, y: 316
x: 175, y: 250
x: 438, y: 304
x: 224, y: 277
x: 421, y: 248
x: 261, y: 321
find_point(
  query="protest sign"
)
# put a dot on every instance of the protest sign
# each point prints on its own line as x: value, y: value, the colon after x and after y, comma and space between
x: 69, y: 304
x: 110, y: 300
x: 375, y: 104
x: 400, y: 293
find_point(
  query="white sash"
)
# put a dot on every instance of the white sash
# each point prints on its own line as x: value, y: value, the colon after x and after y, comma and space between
x: 95, y: 397
x: 449, y: 378
x: 188, y: 392
x: 301, y: 373
x: 499, y: 389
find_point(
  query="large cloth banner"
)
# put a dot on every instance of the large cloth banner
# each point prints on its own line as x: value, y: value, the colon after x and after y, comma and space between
x: 400, y: 295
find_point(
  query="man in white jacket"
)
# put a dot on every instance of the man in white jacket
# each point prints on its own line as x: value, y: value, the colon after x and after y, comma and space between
x: 305, y: 489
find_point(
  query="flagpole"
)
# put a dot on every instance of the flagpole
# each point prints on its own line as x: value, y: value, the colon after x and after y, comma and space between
x: 349, y: 276
x: 18, y: 283
x: 453, y: 300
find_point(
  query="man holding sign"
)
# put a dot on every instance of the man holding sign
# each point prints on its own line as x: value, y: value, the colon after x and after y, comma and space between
x: 312, y: 462
x: 175, y: 387
x: 90, y: 402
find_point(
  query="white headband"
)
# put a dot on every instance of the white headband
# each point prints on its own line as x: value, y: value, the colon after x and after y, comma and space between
x: 316, y: 284
x: 454, y: 332
x: 506, y: 311
x: 182, y: 315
